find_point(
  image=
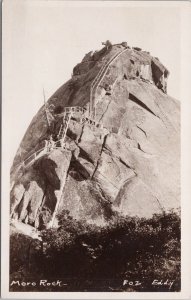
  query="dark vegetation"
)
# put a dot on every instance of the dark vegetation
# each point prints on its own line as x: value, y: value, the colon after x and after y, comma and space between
x: 89, y: 258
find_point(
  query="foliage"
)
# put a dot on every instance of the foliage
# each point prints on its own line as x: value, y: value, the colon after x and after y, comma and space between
x: 126, y: 249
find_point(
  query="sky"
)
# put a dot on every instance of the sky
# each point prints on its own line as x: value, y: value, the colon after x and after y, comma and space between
x: 44, y: 40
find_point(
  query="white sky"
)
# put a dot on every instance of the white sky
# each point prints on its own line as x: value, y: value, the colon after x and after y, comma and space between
x: 44, y: 40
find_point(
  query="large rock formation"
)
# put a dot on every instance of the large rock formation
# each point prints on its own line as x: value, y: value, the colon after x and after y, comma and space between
x: 122, y: 154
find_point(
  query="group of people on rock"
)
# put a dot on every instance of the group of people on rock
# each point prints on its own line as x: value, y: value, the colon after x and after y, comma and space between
x: 50, y: 144
x: 108, y: 44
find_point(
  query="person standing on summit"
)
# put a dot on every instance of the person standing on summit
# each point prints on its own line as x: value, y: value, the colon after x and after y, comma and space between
x: 107, y: 44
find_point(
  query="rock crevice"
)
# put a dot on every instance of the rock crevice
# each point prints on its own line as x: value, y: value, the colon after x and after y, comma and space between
x: 124, y: 155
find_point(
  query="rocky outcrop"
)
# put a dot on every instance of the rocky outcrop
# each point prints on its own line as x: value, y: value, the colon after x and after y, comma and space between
x: 35, y: 197
x: 125, y: 160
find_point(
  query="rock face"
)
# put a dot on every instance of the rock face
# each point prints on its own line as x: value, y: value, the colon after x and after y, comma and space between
x: 122, y: 153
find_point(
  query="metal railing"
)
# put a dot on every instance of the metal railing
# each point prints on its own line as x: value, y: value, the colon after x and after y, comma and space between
x: 64, y: 126
x: 99, y: 77
x: 73, y: 109
x: 40, y: 152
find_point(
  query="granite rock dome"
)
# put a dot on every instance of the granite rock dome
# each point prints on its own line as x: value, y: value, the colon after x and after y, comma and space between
x: 107, y: 140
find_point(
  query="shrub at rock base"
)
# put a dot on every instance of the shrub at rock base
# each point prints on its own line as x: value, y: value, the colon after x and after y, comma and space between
x: 100, y: 259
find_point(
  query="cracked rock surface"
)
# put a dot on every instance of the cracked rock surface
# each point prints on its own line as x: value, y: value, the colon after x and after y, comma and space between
x: 131, y: 164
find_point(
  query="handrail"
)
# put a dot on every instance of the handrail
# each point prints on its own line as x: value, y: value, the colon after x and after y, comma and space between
x: 110, y: 64
x: 35, y: 154
x: 68, y: 109
x: 94, y: 83
x: 65, y: 126
x: 111, y: 61
x: 74, y: 108
x: 42, y: 151
x: 103, y: 67
x: 99, y: 73
x: 92, y: 122
x: 97, y: 80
